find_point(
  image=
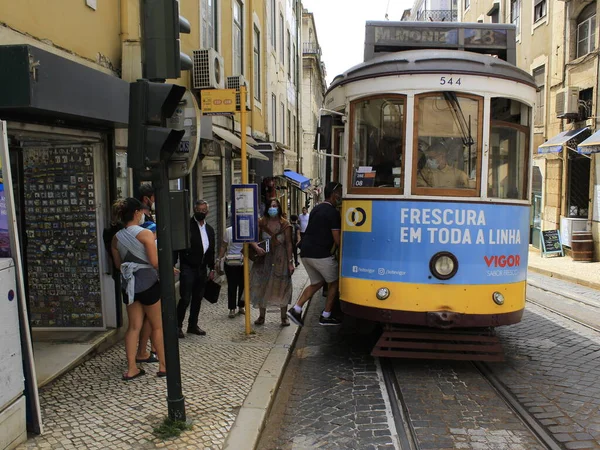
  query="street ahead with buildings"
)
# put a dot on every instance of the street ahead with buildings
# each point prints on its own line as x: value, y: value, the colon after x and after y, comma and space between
x: 68, y: 129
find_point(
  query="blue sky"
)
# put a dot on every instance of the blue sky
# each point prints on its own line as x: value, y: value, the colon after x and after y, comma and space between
x: 341, y: 28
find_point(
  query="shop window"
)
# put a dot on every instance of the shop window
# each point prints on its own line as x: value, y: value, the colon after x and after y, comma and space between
x: 238, y: 38
x: 446, y: 160
x: 539, y: 76
x: 586, y: 101
x: 377, y: 143
x: 579, y: 186
x: 540, y: 8
x: 586, y: 30
x: 515, y: 14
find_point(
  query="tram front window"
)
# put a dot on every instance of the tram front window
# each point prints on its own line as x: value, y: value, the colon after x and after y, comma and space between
x: 509, y: 149
x: 377, y: 142
x: 448, y: 144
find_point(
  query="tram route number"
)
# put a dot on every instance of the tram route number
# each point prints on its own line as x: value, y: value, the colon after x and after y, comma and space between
x: 450, y: 81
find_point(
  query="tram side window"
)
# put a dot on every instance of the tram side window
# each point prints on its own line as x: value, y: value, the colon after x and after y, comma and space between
x: 377, y: 142
x: 508, y: 164
x: 448, y: 143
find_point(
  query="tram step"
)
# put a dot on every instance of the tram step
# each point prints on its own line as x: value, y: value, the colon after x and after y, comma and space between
x: 465, y: 345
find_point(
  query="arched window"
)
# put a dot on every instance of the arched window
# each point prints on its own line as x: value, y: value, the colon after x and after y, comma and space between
x: 586, y: 30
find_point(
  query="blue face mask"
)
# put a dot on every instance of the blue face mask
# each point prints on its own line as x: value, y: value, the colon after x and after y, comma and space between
x: 273, y: 211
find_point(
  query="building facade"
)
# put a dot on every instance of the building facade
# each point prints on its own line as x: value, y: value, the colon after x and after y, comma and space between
x: 66, y: 102
x: 556, y: 43
x: 315, y: 85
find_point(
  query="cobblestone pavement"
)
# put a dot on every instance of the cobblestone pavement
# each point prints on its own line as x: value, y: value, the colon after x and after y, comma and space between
x: 450, y: 405
x: 90, y: 407
x: 553, y: 368
x: 331, y: 396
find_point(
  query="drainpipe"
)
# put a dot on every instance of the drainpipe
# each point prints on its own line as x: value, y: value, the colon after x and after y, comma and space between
x: 251, y: 64
x: 565, y: 152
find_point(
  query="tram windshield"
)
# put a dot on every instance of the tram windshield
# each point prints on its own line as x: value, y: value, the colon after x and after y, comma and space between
x: 378, y: 142
x: 448, y: 142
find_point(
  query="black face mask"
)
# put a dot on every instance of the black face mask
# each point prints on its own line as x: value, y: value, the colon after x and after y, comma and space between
x: 199, y: 216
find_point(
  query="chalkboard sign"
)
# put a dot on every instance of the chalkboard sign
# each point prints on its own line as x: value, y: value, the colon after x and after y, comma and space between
x: 551, y: 243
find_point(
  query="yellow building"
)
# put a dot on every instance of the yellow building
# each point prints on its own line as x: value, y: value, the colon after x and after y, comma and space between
x: 556, y: 43
x: 64, y: 92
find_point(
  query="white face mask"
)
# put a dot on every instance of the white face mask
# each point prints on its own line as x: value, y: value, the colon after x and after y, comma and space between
x: 433, y: 163
x: 142, y: 219
x: 152, y: 206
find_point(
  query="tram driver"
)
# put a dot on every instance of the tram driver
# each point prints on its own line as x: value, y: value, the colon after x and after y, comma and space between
x: 437, y: 173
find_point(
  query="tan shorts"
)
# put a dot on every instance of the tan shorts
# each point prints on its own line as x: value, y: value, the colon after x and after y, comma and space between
x: 321, y: 269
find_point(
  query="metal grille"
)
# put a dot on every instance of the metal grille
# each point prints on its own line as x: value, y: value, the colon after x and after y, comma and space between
x: 201, y: 69
x: 210, y: 193
x: 235, y: 83
x: 579, y: 186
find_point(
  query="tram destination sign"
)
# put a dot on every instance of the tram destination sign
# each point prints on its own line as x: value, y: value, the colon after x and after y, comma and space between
x: 382, y: 37
x: 473, y: 37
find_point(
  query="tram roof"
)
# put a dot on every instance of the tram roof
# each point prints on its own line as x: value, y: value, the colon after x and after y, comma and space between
x: 427, y: 61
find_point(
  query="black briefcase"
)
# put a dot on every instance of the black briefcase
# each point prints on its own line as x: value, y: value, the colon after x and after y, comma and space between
x: 212, y: 291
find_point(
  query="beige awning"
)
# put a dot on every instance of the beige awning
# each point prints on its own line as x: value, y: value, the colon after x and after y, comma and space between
x: 237, y: 142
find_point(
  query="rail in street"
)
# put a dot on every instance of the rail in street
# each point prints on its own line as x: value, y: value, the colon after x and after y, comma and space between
x: 545, y: 395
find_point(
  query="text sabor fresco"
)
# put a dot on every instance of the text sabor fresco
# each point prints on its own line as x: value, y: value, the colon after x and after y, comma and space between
x: 452, y: 226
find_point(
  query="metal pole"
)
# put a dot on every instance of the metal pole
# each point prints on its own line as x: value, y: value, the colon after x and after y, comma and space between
x: 175, y: 399
x: 245, y: 181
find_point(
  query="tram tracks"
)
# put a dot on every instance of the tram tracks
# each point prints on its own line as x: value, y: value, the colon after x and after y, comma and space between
x: 409, y: 439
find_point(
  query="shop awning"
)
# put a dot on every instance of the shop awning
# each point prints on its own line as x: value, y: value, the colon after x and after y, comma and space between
x: 570, y: 138
x: 590, y: 145
x: 237, y: 142
x: 299, y: 181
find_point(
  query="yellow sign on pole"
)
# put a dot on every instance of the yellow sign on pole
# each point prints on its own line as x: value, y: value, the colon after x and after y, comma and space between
x: 218, y: 102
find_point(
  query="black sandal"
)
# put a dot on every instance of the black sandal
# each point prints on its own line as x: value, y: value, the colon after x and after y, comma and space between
x: 259, y: 321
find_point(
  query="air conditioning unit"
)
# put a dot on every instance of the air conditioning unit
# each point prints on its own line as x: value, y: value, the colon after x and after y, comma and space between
x: 235, y: 83
x: 208, y: 71
x: 567, y: 102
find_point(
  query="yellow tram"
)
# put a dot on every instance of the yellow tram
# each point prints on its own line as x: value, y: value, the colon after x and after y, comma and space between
x: 435, y: 134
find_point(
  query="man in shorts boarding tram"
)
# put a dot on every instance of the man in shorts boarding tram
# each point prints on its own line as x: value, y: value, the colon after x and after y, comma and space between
x: 321, y: 237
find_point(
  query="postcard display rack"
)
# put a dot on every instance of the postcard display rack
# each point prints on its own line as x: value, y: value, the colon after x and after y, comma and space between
x: 62, y: 241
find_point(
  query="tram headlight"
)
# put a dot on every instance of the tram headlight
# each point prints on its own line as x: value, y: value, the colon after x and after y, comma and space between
x: 498, y: 298
x: 443, y: 265
x: 383, y: 293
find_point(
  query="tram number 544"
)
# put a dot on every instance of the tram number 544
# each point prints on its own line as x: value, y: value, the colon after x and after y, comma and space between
x: 450, y: 81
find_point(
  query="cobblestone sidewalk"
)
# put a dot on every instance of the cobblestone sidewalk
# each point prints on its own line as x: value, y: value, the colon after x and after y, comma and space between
x: 90, y: 407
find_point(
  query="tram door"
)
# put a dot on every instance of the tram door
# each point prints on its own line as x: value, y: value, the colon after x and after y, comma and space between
x: 338, y: 145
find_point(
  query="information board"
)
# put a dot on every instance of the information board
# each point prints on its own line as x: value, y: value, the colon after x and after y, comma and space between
x: 245, y: 212
x: 551, y: 243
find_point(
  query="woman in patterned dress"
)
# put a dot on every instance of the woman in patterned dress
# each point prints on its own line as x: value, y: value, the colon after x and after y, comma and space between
x: 271, y: 274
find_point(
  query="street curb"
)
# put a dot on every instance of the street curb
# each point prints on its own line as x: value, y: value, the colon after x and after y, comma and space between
x: 559, y: 276
x: 250, y: 421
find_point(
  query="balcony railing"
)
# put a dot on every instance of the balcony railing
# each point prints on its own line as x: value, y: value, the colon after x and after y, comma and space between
x: 310, y: 48
x: 437, y: 15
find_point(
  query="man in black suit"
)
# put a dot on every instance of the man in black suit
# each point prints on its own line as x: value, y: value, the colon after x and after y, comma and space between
x: 194, y: 264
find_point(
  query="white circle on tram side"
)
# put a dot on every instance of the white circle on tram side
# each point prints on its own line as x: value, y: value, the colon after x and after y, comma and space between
x: 355, y: 217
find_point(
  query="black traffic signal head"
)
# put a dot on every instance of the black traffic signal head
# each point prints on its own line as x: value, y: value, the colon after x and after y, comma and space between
x: 149, y: 140
x: 161, y: 26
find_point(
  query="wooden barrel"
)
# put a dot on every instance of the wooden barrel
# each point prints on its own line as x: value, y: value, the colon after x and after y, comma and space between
x: 582, y: 246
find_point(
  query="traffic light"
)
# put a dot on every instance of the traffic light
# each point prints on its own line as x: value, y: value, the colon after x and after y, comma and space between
x: 161, y: 51
x: 150, y: 141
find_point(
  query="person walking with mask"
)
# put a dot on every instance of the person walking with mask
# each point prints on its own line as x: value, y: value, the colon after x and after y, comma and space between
x: 197, y: 265
x: 322, y: 236
x: 232, y: 259
x: 271, y: 275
